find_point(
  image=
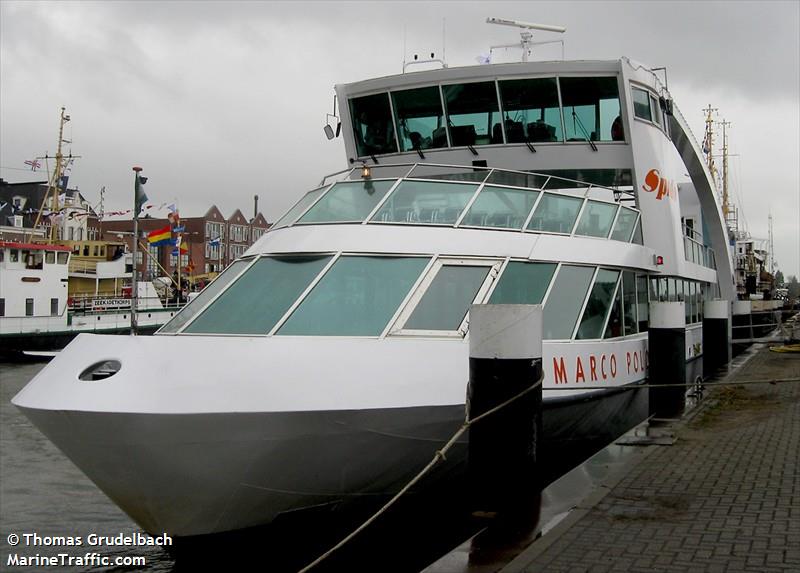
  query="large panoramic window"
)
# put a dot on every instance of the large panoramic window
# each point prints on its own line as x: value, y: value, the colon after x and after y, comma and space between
x: 530, y: 109
x: 555, y: 214
x: 356, y: 297
x: 428, y: 202
x: 208, y: 293
x: 261, y: 296
x: 523, y: 283
x: 420, y: 118
x: 500, y: 207
x: 623, y: 228
x: 591, y: 105
x: 596, y: 219
x: 446, y: 301
x: 298, y: 208
x: 373, y: 125
x: 348, y: 201
x: 598, y: 305
x: 561, y: 312
x: 472, y: 113
x: 630, y: 325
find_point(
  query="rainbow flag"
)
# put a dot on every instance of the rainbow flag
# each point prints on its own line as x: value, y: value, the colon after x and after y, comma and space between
x: 160, y: 237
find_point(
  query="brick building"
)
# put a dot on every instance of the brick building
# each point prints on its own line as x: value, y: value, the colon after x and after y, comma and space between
x: 235, y: 234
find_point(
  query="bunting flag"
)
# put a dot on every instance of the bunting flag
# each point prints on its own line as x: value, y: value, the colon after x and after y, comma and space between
x: 34, y: 163
x: 160, y: 237
x: 140, y: 197
x: 214, y: 242
x: 63, y: 182
x: 174, y: 218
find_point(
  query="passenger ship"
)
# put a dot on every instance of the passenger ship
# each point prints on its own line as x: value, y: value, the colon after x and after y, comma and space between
x: 331, y: 361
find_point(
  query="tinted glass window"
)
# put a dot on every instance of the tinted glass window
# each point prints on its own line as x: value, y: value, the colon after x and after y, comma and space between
x: 623, y: 228
x: 637, y: 234
x: 523, y: 283
x: 303, y: 204
x: 28, y: 307
x: 642, y: 305
x: 565, y: 302
x: 373, y: 125
x: 50, y: 257
x: 531, y: 110
x: 356, y: 297
x: 420, y: 119
x: 614, y: 325
x: 641, y: 104
x: 446, y: 302
x: 347, y: 201
x: 62, y: 258
x: 630, y: 324
x: 472, y: 113
x: 261, y: 296
x: 430, y: 202
x: 654, y: 107
x: 591, y: 105
x: 596, y: 219
x: 555, y: 214
x: 208, y: 293
x: 598, y: 305
x: 500, y: 207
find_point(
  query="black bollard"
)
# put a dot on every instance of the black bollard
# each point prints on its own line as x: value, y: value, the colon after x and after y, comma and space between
x: 666, y: 342
x: 716, y: 336
x: 505, y: 359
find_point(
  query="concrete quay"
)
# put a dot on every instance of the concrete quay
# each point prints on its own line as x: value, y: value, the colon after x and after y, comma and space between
x: 724, y: 497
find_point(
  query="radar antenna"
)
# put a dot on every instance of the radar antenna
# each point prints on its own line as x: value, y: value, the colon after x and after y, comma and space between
x: 526, y: 36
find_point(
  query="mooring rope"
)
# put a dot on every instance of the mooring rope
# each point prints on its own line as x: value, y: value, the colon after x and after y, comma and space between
x: 437, y: 457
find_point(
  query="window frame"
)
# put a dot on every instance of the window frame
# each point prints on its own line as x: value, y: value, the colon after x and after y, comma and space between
x: 652, y: 98
x: 397, y: 327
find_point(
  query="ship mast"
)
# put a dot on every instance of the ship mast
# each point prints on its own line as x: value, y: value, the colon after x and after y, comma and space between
x: 725, y: 202
x: 56, y: 181
x: 708, y: 142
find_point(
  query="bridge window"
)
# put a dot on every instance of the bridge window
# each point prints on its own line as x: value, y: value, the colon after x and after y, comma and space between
x: 472, y: 113
x: 523, y: 283
x: 420, y: 118
x: 598, y: 305
x: 348, y: 201
x: 356, y: 297
x: 207, y: 294
x: 641, y: 104
x: 426, y: 202
x: 596, y: 219
x: 562, y: 311
x: 555, y: 214
x: 500, y: 207
x: 590, y: 107
x: 373, y: 125
x: 629, y: 303
x: 530, y: 110
x: 280, y: 282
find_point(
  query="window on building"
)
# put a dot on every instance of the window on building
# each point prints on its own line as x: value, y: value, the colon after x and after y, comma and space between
x: 555, y: 214
x: 420, y: 118
x: 356, y: 297
x: 561, y: 312
x: 373, y: 125
x: 590, y: 107
x: 472, y: 113
x: 28, y: 307
x: 237, y: 311
x: 531, y: 111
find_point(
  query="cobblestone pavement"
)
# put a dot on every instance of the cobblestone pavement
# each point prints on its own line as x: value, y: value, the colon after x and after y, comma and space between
x: 724, y: 497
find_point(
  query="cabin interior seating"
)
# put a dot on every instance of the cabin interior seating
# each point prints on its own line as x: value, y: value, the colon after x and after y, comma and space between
x: 540, y: 131
x: 462, y: 134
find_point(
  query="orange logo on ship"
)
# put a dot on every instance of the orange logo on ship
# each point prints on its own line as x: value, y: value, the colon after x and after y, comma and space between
x: 653, y: 182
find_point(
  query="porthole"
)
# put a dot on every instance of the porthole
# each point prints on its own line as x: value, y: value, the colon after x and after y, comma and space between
x: 100, y: 371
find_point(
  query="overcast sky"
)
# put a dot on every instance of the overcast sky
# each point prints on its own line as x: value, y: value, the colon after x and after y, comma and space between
x: 219, y: 101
